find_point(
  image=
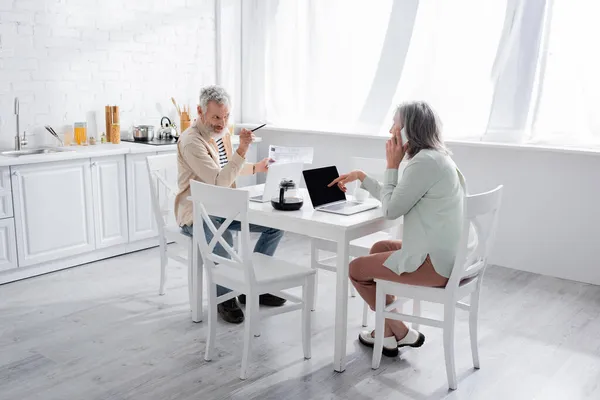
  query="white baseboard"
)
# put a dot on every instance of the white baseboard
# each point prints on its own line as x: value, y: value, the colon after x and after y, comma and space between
x: 16, y: 274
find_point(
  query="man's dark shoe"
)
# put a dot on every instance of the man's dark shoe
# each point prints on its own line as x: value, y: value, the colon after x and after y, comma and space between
x: 265, y: 300
x: 230, y: 312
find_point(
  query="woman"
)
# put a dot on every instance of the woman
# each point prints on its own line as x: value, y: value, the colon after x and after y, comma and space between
x: 430, y: 196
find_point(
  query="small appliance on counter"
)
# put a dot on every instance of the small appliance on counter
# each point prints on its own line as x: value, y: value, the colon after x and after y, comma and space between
x: 167, y: 130
x: 153, y: 142
x: 142, y: 133
x: 289, y: 198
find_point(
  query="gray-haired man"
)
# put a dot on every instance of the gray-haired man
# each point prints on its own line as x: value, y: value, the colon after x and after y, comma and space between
x: 205, y: 154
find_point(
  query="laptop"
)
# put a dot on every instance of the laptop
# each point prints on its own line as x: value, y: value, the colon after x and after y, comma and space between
x: 276, y: 173
x: 331, y: 199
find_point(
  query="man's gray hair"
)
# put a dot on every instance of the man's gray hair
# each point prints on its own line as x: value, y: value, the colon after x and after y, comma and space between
x: 213, y: 93
x: 422, y: 126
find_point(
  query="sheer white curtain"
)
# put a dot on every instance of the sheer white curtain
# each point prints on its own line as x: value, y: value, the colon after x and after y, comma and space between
x: 567, y: 112
x: 450, y: 61
x: 313, y: 64
x: 310, y: 64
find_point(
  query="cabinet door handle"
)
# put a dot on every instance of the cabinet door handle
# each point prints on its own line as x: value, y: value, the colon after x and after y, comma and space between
x: 16, y: 173
x: 94, y: 164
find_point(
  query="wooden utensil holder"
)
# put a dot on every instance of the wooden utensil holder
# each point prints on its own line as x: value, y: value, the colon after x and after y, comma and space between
x: 184, y: 120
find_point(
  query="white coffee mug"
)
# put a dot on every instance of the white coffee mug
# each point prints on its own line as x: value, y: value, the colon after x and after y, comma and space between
x: 360, y: 195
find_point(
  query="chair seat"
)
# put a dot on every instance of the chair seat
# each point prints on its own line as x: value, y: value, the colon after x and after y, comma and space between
x: 173, y: 234
x: 267, y: 270
x: 431, y: 294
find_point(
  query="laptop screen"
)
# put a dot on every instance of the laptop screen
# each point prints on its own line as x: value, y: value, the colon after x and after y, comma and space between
x: 316, y: 183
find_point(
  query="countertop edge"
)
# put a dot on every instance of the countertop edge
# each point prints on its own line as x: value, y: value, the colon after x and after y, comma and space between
x: 95, y: 151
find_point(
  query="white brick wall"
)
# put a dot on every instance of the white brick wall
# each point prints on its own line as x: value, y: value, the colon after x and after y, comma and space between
x: 67, y: 58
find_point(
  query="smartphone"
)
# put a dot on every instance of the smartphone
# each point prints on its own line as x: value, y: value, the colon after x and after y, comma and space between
x: 403, y: 136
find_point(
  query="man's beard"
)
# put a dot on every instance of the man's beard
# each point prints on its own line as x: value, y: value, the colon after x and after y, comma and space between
x: 211, y: 129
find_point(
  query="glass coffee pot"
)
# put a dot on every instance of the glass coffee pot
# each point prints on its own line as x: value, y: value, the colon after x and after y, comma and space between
x: 289, y: 198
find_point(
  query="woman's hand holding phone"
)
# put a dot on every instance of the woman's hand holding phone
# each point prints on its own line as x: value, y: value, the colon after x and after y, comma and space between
x: 395, y: 148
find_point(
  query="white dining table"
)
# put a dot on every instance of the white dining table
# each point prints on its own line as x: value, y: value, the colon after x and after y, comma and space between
x: 340, y: 229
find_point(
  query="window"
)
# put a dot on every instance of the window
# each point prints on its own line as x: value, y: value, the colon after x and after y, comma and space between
x: 496, y: 70
x: 567, y: 112
x: 449, y: 62
x: 310, y: 64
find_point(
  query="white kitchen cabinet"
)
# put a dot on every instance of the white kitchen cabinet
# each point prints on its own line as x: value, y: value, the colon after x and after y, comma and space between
x: 142, y: 224
x: 8, y: 244
x: 53, y: 209
x: 6, y: 207
x: 110, y: 201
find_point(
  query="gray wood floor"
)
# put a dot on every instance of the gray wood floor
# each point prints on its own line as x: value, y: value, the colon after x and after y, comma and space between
x: 102, y: 332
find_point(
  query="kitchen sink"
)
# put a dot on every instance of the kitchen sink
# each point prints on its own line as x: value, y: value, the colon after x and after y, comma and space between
x: 32, y: 152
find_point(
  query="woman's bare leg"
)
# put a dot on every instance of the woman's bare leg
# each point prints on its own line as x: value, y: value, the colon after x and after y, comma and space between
x: 364, y: 270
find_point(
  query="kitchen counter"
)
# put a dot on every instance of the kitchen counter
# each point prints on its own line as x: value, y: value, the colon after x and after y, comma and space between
x: 98, y: 150
x: 101, y: 205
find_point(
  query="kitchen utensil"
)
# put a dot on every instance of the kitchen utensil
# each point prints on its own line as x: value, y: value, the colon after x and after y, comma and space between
x: 176, y: 106
x: 167, y: 129
x: 289, y: 198
x: 143, y: 133
x: 53, y: 133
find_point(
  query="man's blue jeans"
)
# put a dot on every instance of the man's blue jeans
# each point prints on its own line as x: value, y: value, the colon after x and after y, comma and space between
x: 267, y: 243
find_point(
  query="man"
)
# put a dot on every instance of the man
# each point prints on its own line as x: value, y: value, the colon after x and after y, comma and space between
x: 204, y: 153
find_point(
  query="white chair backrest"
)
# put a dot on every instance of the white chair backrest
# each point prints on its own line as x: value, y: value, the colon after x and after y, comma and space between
x: 478, y: 232
x: 162, y: 171
x: 232, y: 205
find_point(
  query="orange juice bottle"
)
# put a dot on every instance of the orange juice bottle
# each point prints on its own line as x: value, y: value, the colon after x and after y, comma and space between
x: 80, y: 133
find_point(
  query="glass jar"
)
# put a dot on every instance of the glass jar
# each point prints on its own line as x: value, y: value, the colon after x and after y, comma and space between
x: 81, y: 133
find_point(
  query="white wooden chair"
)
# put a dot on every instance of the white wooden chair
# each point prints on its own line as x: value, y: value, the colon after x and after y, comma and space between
x: 375, y: 168
x: 249, y: 273
x: 481, y: 213
x: 163, y: 192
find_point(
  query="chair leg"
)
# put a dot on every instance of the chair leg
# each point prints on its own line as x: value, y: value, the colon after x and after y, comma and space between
x: 379, y: 327
x: 314, y: 257
x: 191, y: 274
x: 473, y: 318
x: 352, y: 290
x: 449, y: 316
x: 365, y: 319
x: 251, y: 308
x: 307, y: 297
x: 197, y: 276
x: 164, y: 260
x: 255, y: 319
x: 212, y: 321
x: 416, y: 313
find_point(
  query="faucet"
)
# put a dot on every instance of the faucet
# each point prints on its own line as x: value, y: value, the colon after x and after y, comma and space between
x: 19, y: 142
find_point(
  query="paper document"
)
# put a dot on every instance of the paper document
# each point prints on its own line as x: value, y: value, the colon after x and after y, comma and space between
x: 291, y: 154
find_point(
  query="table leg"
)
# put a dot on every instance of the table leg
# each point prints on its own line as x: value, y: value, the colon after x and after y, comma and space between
x: 197, y: 283
x: 341, y: 305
